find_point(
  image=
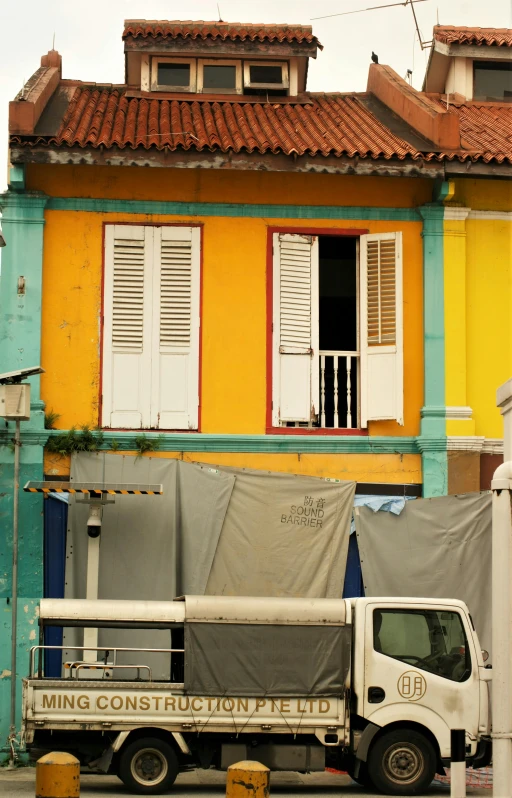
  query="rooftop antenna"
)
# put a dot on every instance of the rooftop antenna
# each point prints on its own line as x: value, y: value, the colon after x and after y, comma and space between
x: 218, y: 11
x: 410, y: 3
x: 53, y: 42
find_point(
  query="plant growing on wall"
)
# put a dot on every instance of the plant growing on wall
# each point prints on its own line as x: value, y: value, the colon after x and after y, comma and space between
x: 83, y: 439
x: 50, y: 419
x: 144, y: 444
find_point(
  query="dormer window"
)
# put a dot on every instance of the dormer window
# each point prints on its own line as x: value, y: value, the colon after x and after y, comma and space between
x: 173, y: 74
x: 216, y: 76
x: 492, y: 80
x: 271, y: 75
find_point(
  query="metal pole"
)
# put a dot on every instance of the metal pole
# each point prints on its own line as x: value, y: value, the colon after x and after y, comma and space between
x: 502, y: 607
x: 14, y: 609
x: 91, y: 593
x: 458, y: 764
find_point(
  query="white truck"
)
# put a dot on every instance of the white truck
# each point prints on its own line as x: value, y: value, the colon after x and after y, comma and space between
x: 369, y: 685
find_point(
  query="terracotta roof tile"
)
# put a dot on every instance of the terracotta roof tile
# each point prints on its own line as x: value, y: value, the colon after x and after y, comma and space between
x: 486, y: 129
x: 217, y: 30
x: 327, y: 124
x: 451, y: 34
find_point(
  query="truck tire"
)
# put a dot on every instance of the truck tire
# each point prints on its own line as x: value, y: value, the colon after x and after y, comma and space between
x: 363, y: 777
x: 402, y: 762
x: 148, y: 766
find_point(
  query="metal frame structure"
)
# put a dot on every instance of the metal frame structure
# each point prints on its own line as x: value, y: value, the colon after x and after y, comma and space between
x: 97, y: 495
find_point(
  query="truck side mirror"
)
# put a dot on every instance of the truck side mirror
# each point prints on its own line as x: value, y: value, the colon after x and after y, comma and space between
x: 485, y: 655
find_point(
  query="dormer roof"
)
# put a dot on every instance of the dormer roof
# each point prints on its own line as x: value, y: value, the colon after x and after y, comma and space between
x: 455, y: 34
x: 201, y: 29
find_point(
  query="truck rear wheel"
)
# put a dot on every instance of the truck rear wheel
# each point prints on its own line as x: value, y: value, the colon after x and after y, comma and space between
x: 402, y: 762
x: 148, y: 766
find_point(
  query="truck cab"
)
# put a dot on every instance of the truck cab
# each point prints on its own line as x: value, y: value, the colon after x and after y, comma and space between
x: 417, y: 666
x: 373, y: 686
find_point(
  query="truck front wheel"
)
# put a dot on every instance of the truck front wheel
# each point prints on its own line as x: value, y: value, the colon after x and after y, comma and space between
x: 148, y: 766
x: 402, y: 762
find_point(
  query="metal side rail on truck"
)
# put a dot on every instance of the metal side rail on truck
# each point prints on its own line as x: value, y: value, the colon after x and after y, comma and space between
x: 368, y: 685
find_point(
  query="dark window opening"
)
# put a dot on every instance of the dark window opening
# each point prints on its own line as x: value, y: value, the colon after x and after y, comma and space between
x: 217, y: 76
x: 338, y: 322
x: 262, y: 92
x: 174, y: 75
x: 492, y: 81
x: 265, y: 74
x: 338, y: 330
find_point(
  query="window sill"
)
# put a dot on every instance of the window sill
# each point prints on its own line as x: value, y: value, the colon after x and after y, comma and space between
x: 314, y: 431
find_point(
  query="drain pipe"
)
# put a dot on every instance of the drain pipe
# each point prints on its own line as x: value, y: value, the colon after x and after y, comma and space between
x: 502, y: 607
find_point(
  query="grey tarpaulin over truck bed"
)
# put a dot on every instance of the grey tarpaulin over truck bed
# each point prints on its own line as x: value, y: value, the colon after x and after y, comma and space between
x: 266, y: 647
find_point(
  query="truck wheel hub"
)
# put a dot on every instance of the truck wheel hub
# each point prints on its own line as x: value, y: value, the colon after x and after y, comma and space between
x: 403, y: 763
x: 149, y: 766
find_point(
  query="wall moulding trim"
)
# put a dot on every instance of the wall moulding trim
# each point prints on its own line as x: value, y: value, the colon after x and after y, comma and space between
x: 28, y: 438
x: 456, y: 213
x: 490, y: 216
x: 201, y: 442
x: 475, y: 443
x: 459, y: 413
x: 157, y: 208
x: 492, y: 446
x: 465, y: 443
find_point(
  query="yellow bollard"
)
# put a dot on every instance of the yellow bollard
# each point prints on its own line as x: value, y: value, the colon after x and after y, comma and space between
x: 57, y: 776
x: 248, y: 779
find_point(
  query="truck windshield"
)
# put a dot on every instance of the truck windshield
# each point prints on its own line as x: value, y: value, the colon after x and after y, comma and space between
x: 431, y: 640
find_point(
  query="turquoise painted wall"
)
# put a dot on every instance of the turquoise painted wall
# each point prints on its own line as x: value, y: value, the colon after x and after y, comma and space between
x: 432, y: 441
x: 20, y: 334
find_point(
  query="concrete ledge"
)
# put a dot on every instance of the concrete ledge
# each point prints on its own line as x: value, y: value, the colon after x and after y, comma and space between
x: 25, y: 110
x: 439, y: 126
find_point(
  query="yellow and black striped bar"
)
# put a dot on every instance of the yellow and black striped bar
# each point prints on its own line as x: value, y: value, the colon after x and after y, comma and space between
x: 94, y: 488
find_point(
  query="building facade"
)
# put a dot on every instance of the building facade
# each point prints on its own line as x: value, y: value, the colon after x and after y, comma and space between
x: 220, y: 266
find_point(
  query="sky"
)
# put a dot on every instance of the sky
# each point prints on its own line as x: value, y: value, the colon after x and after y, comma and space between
x: 89, y: 37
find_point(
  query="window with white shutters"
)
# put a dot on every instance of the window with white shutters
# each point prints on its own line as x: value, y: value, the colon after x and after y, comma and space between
x: 337, y: 331
x: 381, y: 328
x: 295, y: 379
x: 151, y: 327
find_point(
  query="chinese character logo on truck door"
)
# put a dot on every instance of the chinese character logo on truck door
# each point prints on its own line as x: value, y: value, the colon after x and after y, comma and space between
x: 412, y: 686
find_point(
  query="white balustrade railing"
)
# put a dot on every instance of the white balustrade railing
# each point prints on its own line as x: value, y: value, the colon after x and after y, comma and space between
x: 340, y: 402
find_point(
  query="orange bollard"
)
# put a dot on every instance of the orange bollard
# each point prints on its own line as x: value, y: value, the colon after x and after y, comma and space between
x: 58, y: 776
x: 248, y: 779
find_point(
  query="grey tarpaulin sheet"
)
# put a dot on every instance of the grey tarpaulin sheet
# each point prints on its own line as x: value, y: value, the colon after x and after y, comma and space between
x: 436, y: 547
x: 152, y: 547
x: 283, y: 535
x: 266, y: 660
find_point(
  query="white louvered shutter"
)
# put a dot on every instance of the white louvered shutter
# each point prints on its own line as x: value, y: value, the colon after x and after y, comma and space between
x: 126, y: 373
x: 175, y: 379
x: 295, y: 389
x: 382, y: 393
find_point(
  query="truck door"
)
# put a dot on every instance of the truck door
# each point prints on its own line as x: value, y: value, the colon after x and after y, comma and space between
x: 420, y: 662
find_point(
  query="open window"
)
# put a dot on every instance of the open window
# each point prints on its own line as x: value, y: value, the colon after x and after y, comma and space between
x: 266, y: 77
x: 173, y: 74
x: 337, y: 330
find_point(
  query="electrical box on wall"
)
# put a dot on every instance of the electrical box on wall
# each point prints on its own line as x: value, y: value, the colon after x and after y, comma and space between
x: 15, y: 402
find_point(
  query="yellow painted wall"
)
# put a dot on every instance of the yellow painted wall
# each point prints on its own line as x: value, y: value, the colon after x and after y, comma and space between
x: 478, y: 306
x: 489, y: 319
x: 383, y: 468
x: 484, y: 195
x: 203, y: 185
x: 234, y: 291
